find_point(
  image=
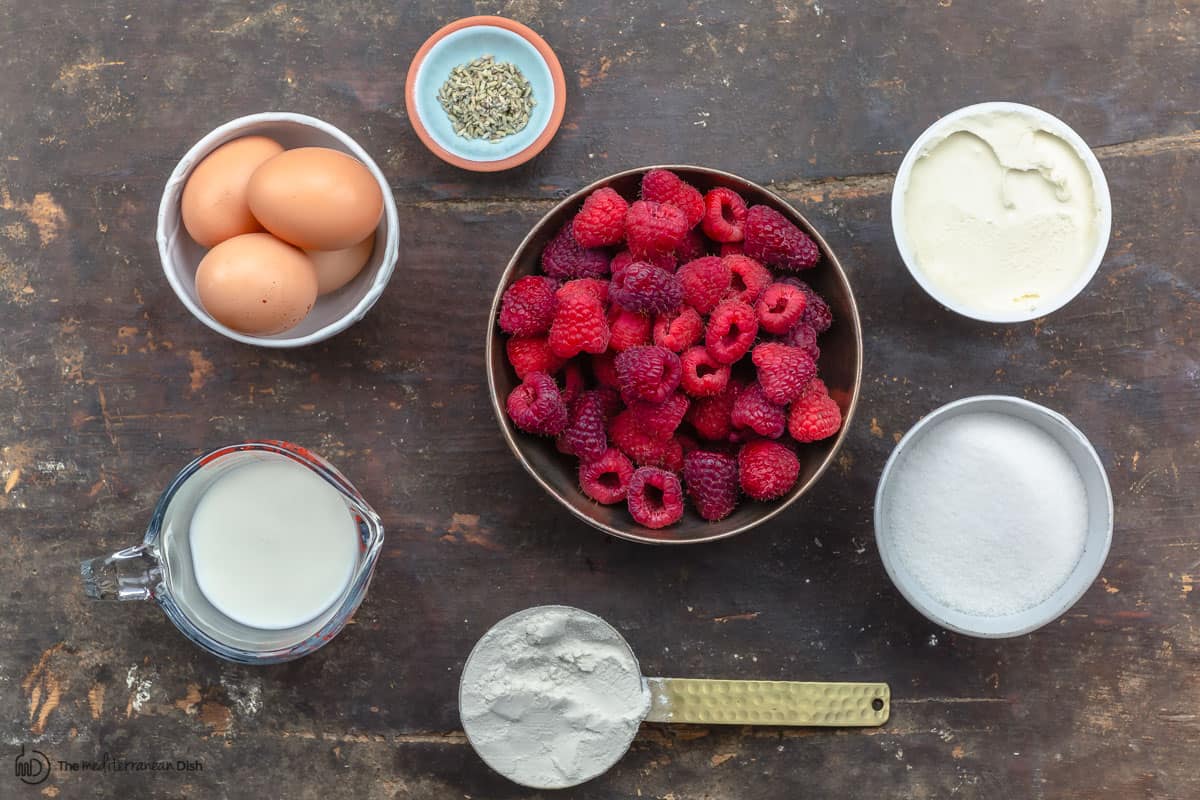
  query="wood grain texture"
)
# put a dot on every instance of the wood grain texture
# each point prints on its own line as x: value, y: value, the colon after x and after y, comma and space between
x: 107, y: 387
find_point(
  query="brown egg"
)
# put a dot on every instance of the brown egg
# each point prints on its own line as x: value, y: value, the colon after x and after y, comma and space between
x: 336, y: 268
x: 256, y: 284
x: 214, y: 206
x: 316, y: 198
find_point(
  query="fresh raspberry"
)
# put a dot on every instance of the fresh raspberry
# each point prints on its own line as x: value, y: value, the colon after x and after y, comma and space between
x: 748, y: 278
x: 606, y: 480
x: 815, y: 415
x: 601, y: 221
x: 604, y: 370
x: 753, y: 411
x: 536, y: 406
x: 678, y: 330
x: 687, y: 443
x: 804, y: 337
x: 597, y: 287
x: 817, y: 313
x: 644, y: 449
x: 613, y: 404
x: 664, y: 261
x: 731, y: 249
x: 586, y: 434
x: 619, y: 262
x: 739, y: 436
x: 573, y: 382
x: 527, y: 307
x: 712, y: 416
x: 712, y: 483
x: 579, y: 323
x: 628, y: 329
x: 701, y: 374
x: 668, y: 455
x: 647, y: 373
x: 660, y: 420
x: 731, y: 331
x: 693, y: 246
x: 767, y: 469
x: 664, y: 186
x: 780, y: 307
x: 783, y: 371
x: 655, y: 497
x: 772, y: 239
x: 724, y: 215
x: 532, y: 354
x: 816, y: 386
x: 654, y: 228
x: 563, y: 257
x: 705, y: 282
x: 647, y: 289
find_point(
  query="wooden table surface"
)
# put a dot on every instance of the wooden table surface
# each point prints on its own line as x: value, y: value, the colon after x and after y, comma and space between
x: 108, y: 387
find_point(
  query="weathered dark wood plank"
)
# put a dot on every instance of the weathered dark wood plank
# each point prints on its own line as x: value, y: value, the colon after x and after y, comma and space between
x: 107, y: 387
x: 772, y: 91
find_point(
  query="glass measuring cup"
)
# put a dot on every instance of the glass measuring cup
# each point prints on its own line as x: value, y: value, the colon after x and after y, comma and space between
x: 161, y: 567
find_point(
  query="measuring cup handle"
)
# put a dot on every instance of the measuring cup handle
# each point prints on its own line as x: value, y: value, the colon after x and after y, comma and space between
x: 129, y: 574
x: 748, y: 702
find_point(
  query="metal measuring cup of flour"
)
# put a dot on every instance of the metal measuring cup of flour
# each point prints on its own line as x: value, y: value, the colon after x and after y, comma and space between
x: 538, y: 756
x: 161, y: 566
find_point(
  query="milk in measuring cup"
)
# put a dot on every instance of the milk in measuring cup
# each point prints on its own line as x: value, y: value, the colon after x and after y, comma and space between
x: 272, y: 544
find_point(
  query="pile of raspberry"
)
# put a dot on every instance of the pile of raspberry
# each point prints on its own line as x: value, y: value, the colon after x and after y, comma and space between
x: 669, y: 347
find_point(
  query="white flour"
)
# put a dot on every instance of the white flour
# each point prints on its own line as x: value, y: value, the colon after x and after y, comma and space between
x: 552, y: 697
x: 988, y: 513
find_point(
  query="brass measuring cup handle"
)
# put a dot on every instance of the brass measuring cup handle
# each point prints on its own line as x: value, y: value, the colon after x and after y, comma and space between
x: 730, y: 702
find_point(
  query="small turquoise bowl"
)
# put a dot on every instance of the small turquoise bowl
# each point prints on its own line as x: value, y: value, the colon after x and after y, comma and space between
x: 466, y: 40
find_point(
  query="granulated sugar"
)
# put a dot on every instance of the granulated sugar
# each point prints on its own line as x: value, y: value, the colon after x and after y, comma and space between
x: 551, y: 697
x: 988, y: 513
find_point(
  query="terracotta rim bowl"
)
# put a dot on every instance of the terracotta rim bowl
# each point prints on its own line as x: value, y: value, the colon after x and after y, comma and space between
x: 841, y: 368
x: 537, y: 56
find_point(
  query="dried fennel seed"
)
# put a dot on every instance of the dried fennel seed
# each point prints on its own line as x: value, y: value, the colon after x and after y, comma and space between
x: 486, y: 100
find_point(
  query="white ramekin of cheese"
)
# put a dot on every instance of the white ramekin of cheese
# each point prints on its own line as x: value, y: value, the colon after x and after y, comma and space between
x: 1001, y: 212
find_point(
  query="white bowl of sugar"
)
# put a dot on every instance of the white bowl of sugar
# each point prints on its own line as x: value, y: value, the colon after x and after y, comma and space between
x: 993, y: 516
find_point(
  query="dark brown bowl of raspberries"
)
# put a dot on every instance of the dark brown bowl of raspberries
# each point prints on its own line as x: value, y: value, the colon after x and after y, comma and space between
x: 674, y: 353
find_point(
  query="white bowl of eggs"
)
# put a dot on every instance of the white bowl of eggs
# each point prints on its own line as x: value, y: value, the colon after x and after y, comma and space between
x: 278, y: 230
